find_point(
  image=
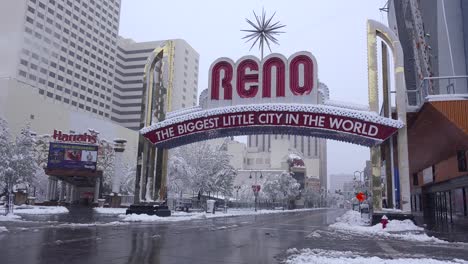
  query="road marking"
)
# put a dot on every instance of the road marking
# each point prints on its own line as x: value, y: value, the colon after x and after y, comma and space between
x: 282, y: 229
x: 387, y: 248
x: 300, y: 225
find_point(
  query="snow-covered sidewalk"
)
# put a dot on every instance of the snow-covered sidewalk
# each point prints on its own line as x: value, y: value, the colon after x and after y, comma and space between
x: 181, y: 216
x: 9, y: 218
x: 39, y: 210
x: 31, y: 210
x: 319, y: 256
x: 352, y: 222
x: 110, y: 211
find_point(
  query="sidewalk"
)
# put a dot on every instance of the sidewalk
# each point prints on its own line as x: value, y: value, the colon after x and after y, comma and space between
x: 456, y: 232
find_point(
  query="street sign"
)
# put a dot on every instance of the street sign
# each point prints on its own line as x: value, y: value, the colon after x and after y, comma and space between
x: 256, y: 188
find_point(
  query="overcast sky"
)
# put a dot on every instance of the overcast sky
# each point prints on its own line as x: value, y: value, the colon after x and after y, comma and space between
x: 333, y: 30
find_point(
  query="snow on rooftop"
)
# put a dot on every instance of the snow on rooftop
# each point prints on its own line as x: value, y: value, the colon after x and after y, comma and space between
x: 293, y: 156
x: 183, y: 111
x: 346, y: 105
x: 309, y: 108
x: 447, y: 97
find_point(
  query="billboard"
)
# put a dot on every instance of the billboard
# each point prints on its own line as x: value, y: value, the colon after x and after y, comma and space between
x: 72, y: 156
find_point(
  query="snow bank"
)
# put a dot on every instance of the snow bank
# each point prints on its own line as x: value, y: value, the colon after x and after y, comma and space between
x: 112, y: 211
x: 155, y: 218
x: 39, y: 210
x: 351, y: 222
x: 3, y: 229
x: 10, y: 217
x: 181, y: 216
x: 319, y: 256
x: 79, y: 225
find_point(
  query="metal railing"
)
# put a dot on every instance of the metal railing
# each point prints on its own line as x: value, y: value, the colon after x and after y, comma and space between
x: 442, y: 85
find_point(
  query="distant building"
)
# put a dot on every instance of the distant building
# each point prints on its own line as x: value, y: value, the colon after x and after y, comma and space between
x: 130, y: 64
x: 337, y: 181
x: 269, y: 151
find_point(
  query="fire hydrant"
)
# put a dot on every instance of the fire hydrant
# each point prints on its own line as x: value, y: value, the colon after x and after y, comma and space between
x: 384, y: 221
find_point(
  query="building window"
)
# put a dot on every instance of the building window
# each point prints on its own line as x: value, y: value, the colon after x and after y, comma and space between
x: 415, y: 179
x: 22, y: 73
x: 316, y: 147
x: 461, y: 157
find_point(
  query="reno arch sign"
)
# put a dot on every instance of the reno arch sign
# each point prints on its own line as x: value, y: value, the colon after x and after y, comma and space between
x: 277, y: 95
x: 275, y: 79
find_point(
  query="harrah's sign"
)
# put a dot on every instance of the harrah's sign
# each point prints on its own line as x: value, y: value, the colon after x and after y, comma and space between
x: 274, y: 79
x: 81, y: 138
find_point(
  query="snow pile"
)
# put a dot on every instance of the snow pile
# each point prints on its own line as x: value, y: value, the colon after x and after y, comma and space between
x: 319, y: 256
x: 40, y: 210
x: 85, y: 225
x: 10, y: 217
x: 180, y: 216
x: 3, y: 229
x: 111, y: 211
x: 155, y: 218
x: 352, y: 222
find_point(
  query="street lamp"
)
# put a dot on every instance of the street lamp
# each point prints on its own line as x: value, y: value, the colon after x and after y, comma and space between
x: 237, y: 188
x: 256, y: 188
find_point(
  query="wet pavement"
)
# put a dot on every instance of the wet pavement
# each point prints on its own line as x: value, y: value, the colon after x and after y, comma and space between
x: 242, y: 239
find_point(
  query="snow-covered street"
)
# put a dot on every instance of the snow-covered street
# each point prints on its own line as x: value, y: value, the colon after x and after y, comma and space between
x: 318, y: 256
x: 301, y: 236
x: 182, y: 216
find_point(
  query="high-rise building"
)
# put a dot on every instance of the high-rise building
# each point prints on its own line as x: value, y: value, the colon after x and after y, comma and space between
x: 434, y: 38
x: 64, y: 50
x: 130, y: 64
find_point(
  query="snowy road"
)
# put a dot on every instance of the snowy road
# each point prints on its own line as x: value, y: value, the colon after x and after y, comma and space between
x: 242, y: 239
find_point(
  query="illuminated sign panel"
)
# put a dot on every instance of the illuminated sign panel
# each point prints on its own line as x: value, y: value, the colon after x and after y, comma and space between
x: 72, y: 156
x: 275, y: 79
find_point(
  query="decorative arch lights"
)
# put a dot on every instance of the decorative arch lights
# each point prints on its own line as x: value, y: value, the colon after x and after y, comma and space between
x: 272, y: 96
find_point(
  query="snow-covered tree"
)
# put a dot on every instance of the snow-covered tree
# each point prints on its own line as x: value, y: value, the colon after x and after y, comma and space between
x: 280, y: 187
x: 312, y: 197
x: 200, y: 168
x: 5, y: 154
x: 127, y: 185
x: 105, y: 162
x: 179, y: 173
x: 17, y: 159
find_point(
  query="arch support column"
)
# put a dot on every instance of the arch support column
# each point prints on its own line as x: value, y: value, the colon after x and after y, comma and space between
x: 374, y: 30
